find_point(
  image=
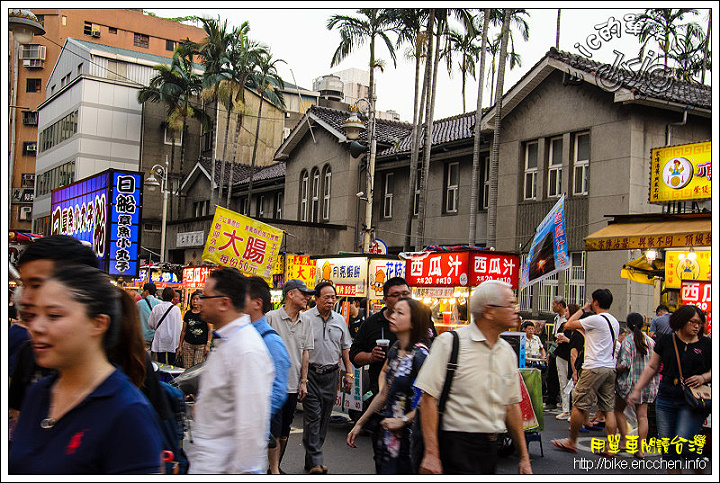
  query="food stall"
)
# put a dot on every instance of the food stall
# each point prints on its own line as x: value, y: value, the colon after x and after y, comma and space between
x: 443, y: 280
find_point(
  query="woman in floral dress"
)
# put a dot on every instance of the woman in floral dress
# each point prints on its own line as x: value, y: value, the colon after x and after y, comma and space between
x: 634, y: 354
x: 398, y: 399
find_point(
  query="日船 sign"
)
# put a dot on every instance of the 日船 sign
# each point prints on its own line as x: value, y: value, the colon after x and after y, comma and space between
x: 104, y: 210
x: 462, y: 269
x: 681, y: 173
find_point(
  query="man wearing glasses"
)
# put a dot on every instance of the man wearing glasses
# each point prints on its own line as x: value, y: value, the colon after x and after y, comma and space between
x: 364, y: 350
x: 232, y: 412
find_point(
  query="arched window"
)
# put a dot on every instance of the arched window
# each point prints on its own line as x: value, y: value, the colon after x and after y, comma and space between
x: 327, y: 184
x: 303, y: 195
x: 315, y: 195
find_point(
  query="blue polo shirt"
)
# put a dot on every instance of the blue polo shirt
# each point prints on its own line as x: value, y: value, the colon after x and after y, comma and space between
x: 114, y: 430
x: 144, y: 310
x: 281, y: 358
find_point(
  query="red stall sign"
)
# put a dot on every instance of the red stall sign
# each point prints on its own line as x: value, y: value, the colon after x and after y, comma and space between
x: 698, y: 293
x: 195, y: 277
x: 504, y: 267
x: 438, y: 270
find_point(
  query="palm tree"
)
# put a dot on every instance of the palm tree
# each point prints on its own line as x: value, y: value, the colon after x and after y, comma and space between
x: 463, y: 43
x: 267, y: 83
x: 557, y: 31
x: 706, y: 49
x: 475, y: 188
x: 661, y: 25
x: 213, y: 50
x: 496, y: 17
x: 354, y: 32
x: 688, y: 51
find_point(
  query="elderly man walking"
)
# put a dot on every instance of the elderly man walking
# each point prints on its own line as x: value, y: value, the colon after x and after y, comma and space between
x: 485, y: 393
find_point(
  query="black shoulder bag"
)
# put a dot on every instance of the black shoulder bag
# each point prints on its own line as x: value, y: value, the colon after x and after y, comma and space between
x: 698, y: 399
x: 417, y: 445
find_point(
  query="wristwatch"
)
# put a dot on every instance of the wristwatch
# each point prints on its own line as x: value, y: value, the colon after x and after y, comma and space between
x: 405, y: 420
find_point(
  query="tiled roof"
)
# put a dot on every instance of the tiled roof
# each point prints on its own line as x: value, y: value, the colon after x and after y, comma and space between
x: 241, y: 174
x: 446, y: 130
x: 388, y: 132
x: 648, y: 85
x: 263, y: 173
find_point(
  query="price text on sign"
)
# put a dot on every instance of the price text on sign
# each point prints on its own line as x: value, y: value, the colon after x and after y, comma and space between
x: 504, y: 267
x: 438, y: 269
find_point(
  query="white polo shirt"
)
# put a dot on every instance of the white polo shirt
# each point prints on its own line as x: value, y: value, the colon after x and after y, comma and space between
x: 486, y: 381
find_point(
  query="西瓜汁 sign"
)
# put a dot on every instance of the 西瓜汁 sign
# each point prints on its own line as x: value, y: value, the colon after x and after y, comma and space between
x: 446, y: 269
x: 104, y: 210
x: 492, y: 265
x: 195, y: 277
x: 699, y: 294
x: 680, y: 173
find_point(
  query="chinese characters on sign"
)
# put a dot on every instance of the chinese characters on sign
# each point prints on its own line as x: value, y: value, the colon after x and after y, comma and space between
x: 448, y: 269
x: 352, y: 271
x: 381, y: 271
x: 548, y: 253
x: 240, y: 242
x: 302, y: 268
x: 699, y: 294
x: 643, y: 242
x: 495, y: 266
x: 125, y: 223
x: 681, y: 173
x: 191, y: 239
x: 195, y: 277
x: 650, y: 445
x: 680, y: 266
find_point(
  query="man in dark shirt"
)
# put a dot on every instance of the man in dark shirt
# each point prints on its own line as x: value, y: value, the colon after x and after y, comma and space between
x: 364, y: 350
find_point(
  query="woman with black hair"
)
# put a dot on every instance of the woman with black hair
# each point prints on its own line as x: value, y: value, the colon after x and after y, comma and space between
x: 632, y: 358
x: 398, y: 399
x: 195, y: 338
x: 88, y: 418
x: 688, y: 344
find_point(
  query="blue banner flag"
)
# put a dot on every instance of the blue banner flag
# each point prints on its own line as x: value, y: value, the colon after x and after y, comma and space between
x: 548, y: 252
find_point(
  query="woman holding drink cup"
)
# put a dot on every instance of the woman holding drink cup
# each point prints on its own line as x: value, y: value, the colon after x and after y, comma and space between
x: 395, y: 404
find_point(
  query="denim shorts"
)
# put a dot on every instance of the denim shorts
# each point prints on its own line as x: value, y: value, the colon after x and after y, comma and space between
x: 676, y: 420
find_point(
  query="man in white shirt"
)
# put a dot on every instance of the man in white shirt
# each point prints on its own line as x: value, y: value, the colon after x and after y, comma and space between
x: 232, y: 412
x: 166, y: 320
x: 597, y: 381
x: 484, y: 397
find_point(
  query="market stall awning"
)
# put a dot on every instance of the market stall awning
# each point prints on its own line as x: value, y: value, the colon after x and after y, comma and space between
x: 640, y: 270
x: 651, y: 234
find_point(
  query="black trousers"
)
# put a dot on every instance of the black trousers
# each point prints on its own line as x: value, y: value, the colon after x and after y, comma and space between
x: 553, y: 386
x: 467, y: 453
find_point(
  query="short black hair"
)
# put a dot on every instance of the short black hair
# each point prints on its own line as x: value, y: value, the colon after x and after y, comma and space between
x: 61, y: 249
x: 662, y: 307
x: 258, y: 288
x: 321, y: 286
x: 151, y: 288
x: 168, y: 294
x: 393, y: 282
x: 603, y: 297
x: 231, y: 283
x: 683, y: 314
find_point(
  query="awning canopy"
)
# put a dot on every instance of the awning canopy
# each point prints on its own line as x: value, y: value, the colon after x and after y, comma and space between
x: 651, y: 234
x: 640, y: 270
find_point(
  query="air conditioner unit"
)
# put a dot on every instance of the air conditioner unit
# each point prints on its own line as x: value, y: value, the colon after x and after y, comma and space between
x: 25, y: 213
x: 33, y: 63
x: 95, y: 33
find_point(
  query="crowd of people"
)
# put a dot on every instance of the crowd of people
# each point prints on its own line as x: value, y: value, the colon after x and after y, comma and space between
x: 85, y: 397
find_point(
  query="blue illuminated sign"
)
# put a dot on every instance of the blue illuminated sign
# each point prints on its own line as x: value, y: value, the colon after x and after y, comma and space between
x: 104, y: 210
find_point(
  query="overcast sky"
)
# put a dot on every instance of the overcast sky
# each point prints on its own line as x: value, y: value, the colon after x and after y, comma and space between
x: 301, y: 38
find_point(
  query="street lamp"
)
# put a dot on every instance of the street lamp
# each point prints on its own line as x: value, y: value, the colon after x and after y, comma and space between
x: 152, y: 184
x: 352, y: 127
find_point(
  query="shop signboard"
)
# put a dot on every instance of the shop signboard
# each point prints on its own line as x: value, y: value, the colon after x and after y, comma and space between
x: 681, y: 266
x: 548, y: 253
x: 491, y: 265
x: 352, y: 400
x: 301, y: 267
x: 190, y: 239
x: 446, y: 269
x: 104, y: 210
x: 381, y: 270
x: 698, y: 293
x: 680, y: 173
x: 348, y: 275
x: 194, y: 278
x: 240, y: 242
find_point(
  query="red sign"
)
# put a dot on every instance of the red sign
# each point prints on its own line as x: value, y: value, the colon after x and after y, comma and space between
x: 491, y: 265
x: 345, y: 290
x: 195, y: 277
x: 698, y: 294
x: 448, y: 269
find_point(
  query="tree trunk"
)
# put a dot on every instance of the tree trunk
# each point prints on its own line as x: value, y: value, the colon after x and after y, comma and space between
x: 222, y: 171
x: 367, y: 233
x: 238, y: 127
x: 414, y: 146
x: 213, y: 153
x: 462, y: 73
x: 557, y: 31
x: 474, y: 188
x: 182, y: 159
x: 254, y: 153
x: 706, y: 49
x: 168, y: 175
x: 495, y: 156
x: 427, y: 146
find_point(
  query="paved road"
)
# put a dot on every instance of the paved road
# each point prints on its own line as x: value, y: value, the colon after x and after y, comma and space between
x: 342, y: 459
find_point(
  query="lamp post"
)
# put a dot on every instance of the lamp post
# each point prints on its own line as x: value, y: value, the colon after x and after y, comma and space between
x: 152, y: 183
x: 352, y: 127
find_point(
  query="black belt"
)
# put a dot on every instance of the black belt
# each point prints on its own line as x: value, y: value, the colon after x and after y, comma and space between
x: 476, y: 436
x: 318, y: 369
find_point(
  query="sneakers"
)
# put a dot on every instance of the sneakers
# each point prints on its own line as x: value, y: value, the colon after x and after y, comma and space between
x: 563, y: 415
x: 318, y: 470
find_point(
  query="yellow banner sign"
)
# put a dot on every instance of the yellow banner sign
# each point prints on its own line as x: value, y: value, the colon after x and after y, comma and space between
x: 677, y: 240
x: 681, y: 266
x: 240, y: 242
x: 302, y: 268
x: 680, y: 173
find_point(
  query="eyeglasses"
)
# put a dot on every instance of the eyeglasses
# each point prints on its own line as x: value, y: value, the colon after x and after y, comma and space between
x: 203, y: 297
x: 398, y: 294
x: 511, y: 306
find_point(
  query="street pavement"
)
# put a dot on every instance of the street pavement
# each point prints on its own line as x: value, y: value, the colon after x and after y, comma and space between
x: 341, y: 459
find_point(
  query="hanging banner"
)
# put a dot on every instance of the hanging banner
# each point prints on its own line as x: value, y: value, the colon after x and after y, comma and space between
x: 240, y: 242
x: 446, y: 269
x: 699, y: 294
x: 548, y: 252
x: 381, y: 271
x: 194, y: 278
x: 348, y: 275
x: 491, y: 265
x: 302, y: 268
x: 679, y: 266
x: 680, y: 173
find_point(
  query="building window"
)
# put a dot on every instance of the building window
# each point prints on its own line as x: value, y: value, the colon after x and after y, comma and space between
x: 59, y: 131
x: 54, y: 178
x: 80, y: 68
x: 548, y: 290
x: 581, y: 163
x: 201, y: 208
x: 30, y: 118
x: 388, y: 196
x: 484, y: 184
x: 41, y: 19
x: 261, y: 206
x: 279, y: 198
x: 33, y: 85
x: 170, y: 45
x: 555, y: 168
x: 42, y: 226
x: 33, y: 52
x: 91, y: 29
x: 168, y: 139
x: 452, y: 181
x: 531, y: 167
x: 29, y: 148
x: 117, y: 70
x: 315, y: 196
x: 575, y: 286
x: 112, y: 30
x: 416, y: 198
x: 327, y: 185
x: 244, y: 206
x: 141, y: 40
x: 304, y: 195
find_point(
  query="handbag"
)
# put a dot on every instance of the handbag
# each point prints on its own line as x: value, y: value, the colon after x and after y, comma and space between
x: 699, y: 398
x: 552, y: 347
x: 417, y: 445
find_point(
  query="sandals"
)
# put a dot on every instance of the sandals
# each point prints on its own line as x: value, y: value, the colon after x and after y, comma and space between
x: 562, y: 445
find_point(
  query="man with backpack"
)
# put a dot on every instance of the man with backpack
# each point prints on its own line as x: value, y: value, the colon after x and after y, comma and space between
x: 145, y: 306
x: 166, y: 320
x: 597, y: 380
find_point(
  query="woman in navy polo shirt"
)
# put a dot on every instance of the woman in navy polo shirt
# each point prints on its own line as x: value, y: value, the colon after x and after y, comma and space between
x: 89, y: 418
